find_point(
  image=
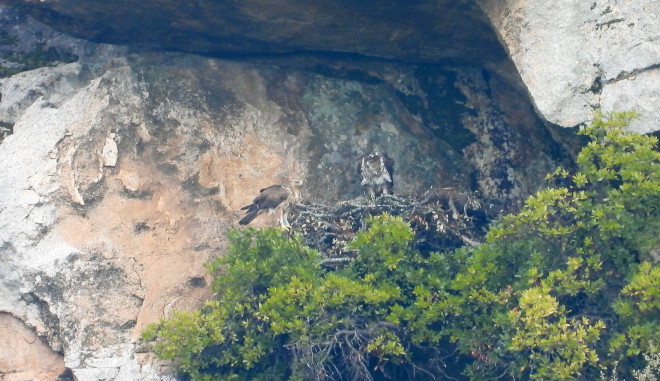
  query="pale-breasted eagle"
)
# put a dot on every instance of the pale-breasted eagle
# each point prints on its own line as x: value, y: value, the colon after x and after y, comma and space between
x: 274, y: 199
x: 377, y: 172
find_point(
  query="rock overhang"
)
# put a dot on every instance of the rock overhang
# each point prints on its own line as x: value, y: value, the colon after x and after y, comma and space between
x: 430, y: 32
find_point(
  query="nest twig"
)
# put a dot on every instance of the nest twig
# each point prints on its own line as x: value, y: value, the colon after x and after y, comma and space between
x: 442, y: 220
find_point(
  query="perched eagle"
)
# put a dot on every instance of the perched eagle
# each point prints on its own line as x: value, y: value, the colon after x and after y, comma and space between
x: 377, y: 172
x: 275, y: 198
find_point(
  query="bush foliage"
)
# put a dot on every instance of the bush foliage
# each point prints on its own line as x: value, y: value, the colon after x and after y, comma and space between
x: 568, y: 288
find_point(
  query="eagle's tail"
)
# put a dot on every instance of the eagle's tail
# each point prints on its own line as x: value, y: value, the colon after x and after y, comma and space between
x: 251, y: 215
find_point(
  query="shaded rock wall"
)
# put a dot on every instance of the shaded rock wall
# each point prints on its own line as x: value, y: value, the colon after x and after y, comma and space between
x: 427, y: 31
x: 26, y: 44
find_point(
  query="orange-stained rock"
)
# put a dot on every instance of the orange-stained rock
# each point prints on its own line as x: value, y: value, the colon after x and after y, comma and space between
x: 25, y: 356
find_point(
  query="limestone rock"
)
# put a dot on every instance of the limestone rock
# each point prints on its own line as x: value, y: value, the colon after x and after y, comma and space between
x: 110, y: 151
x: 27, y: 44
x: 578, y: 56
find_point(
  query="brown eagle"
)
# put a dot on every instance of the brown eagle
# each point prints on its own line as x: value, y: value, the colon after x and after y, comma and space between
x: 377, y: 172
x: 274, y: 199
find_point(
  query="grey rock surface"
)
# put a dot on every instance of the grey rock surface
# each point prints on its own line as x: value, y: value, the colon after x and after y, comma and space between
x: 66, y: 300
x: 579, y: 56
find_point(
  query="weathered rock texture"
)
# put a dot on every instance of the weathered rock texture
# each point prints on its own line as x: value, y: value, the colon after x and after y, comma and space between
x: 23, y: 355
x: 122, y: 170
x: 578, y: 56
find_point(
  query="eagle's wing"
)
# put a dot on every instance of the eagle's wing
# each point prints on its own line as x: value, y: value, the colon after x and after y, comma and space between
x: 271, y: 197
x: 268, y: 199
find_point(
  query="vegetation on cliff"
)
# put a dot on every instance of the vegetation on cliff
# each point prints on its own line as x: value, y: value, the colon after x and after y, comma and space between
x: 567, y: 288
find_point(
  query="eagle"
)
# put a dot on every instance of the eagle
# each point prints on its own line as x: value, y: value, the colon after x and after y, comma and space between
x: 377, y: 172
x: 275, y: 198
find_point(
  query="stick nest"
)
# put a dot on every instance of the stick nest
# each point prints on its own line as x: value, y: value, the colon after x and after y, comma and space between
x: 441, y: 220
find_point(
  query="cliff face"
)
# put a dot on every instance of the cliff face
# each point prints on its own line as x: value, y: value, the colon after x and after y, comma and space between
x: 120, y: 179
x: 123, y: 167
